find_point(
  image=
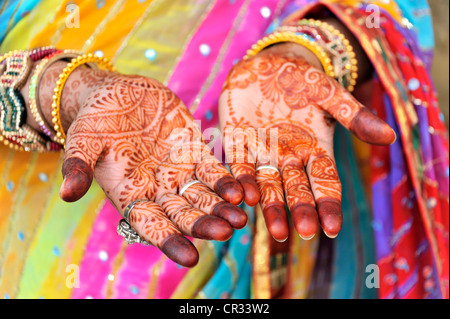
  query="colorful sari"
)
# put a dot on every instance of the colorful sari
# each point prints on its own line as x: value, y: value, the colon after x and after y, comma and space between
x: 395, y: 199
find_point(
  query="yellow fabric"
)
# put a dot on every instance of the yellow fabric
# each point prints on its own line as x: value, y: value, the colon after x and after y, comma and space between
x: 198, y: 276
x: 164, y: 37
x: 301, y: 266
x: 109, y: 29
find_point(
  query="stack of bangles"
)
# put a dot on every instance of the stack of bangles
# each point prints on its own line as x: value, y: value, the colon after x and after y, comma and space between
x: 330, y: 46
x: 15, y: 68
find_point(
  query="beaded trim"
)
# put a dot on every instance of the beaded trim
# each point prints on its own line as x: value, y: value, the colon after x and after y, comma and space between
x: 337, y: 47
x: 15, y: 68
x: 56, y: 105
x: 15, y: 72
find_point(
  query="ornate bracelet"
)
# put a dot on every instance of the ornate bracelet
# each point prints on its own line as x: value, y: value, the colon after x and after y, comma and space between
x: 338, y: 48
x: 289, y: 36
x: 56, y: 105
x: 15, y: 68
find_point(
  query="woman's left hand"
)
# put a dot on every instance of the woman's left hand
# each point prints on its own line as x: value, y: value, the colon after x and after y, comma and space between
x: 278, y: 114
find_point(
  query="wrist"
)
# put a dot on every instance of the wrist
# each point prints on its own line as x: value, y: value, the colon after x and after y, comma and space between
x: 79, y: 85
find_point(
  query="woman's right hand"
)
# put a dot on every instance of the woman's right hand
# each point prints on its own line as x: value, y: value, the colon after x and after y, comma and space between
x: 139, y: 141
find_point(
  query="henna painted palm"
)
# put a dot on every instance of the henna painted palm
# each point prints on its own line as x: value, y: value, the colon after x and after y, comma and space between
x: 281, y: 111
x: 140, y: 143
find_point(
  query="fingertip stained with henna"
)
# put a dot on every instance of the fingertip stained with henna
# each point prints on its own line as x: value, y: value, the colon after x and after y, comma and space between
x: 230, y: 190
x: 251, y: 190
x: 212, y: 228
x: 78, y: 176
x: 330, y: 215
x: 231, y: 213
x: 370, y: 128
x: 179, y: 249
x: 305, y: 220
x: 276, y: 220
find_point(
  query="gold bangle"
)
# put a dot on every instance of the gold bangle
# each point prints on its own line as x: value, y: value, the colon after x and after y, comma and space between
x: 74, y: 63
x: 279, y: 37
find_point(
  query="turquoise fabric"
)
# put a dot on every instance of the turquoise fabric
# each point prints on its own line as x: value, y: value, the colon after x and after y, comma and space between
x: 354, y: 247
x: 418, y: 13
x: 12, y: 12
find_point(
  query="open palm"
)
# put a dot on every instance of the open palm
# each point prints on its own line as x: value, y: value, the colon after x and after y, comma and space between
x: 139, y: 141
x: 280, y: 112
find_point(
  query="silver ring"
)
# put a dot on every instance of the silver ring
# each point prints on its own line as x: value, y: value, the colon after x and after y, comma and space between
x: 129, y: 234
x: 185, y: 187
x: 273, y: 168
x: 130, y: 206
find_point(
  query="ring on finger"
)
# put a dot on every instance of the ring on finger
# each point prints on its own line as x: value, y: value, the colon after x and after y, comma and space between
x: 186, y: 186
x: 129, y: 208
x: 124, y: 228
x: 270, y: 167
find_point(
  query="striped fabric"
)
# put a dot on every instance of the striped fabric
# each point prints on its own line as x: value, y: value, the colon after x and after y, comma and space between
x: 52, y: 249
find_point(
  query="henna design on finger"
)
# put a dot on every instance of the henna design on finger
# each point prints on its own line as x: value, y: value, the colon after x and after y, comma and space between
x: 272, y: 203
x: 180, y: 212
x: 151, y: 222
x: 325, y: 178
x: 269, y: 183
x: 202, y: 198
x: 193, y: 222
x: 296, y: 186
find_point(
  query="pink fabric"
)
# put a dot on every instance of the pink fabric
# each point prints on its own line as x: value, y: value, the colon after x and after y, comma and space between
x: 102, y: 248
x: 134, y: 279
x: 170, y: 276
x: 249, y: 32
x: 193, y: 68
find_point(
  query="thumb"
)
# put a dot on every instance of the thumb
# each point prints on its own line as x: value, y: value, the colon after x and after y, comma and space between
x: 81, y: 155
x: 371, y: 129
x: 358, y: 119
